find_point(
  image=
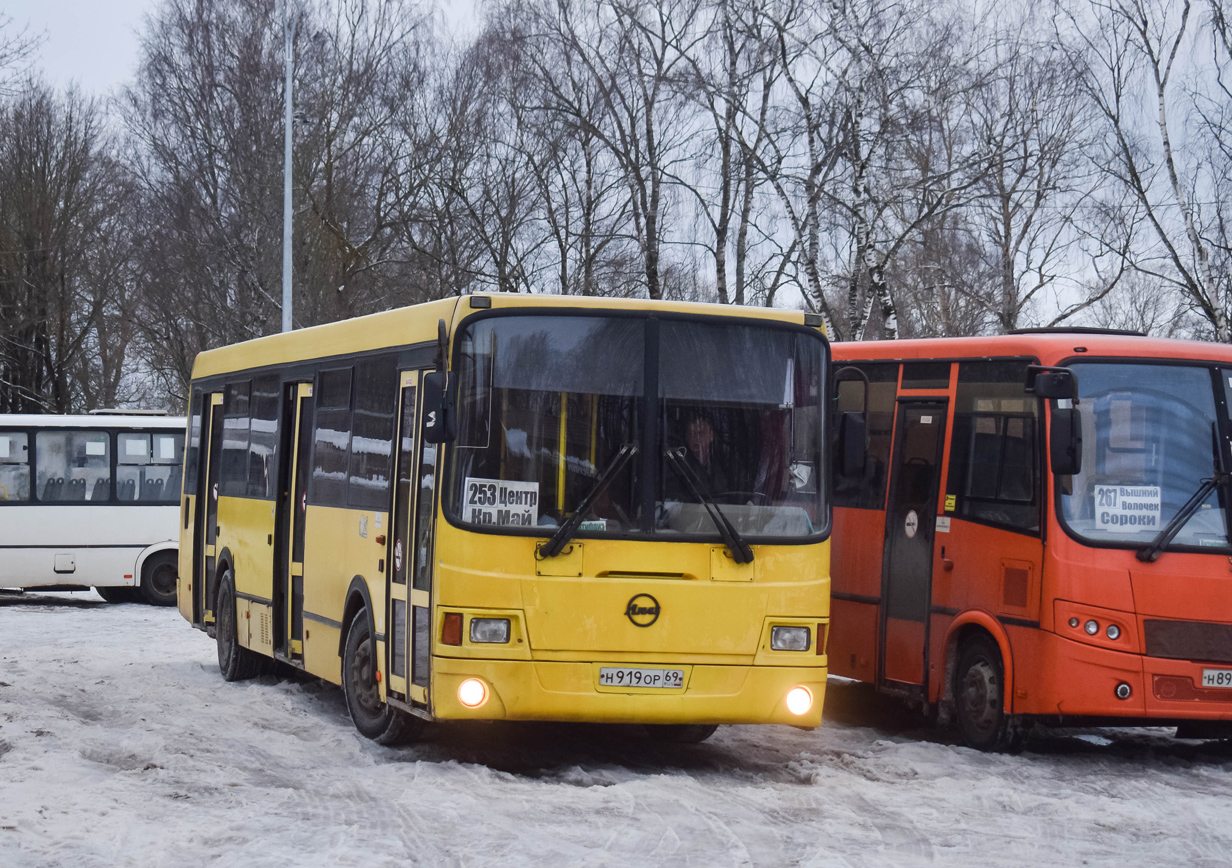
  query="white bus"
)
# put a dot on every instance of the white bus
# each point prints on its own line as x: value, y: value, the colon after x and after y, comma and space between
x: 91, y: 501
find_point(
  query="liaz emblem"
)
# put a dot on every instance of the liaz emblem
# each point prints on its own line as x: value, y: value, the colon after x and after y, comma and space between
x: 642, y: 610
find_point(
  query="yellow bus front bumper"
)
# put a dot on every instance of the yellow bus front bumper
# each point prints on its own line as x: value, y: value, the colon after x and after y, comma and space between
x: 537, y: 690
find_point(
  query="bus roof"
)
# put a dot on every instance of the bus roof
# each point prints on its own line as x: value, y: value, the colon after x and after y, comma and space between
x: 53, y: 420
x: 417, y: 324
x: 1049, y: 348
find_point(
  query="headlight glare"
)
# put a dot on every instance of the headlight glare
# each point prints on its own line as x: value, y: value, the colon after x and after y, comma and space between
x: 472, y: 692
x: 799, y: 700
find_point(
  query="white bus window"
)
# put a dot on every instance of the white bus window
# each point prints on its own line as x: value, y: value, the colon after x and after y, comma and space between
x: 73, y: 466
x: 14, y: 466
x: 167, y: 449
x: 147, y: 466
x: 134, y: 449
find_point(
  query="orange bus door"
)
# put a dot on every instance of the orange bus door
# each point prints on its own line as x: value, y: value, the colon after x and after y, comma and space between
x: 911, y: 513
x: 211, y: 449
x: 301, y: 466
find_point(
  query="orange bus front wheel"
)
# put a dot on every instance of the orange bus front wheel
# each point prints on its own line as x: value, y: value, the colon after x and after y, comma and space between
x: 979, y: 698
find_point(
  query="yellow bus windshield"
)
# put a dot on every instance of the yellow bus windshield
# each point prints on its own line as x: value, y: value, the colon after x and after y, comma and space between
x: 547, y: 403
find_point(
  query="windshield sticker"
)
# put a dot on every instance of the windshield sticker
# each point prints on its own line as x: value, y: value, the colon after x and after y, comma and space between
x: 1127, y: 508
x: 500, y: 502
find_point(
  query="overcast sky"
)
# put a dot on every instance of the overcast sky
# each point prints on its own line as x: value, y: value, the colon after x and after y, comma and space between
x: 94, y: 42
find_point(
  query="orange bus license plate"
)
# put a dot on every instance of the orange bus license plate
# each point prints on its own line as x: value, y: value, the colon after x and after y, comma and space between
x: 1217, y: 678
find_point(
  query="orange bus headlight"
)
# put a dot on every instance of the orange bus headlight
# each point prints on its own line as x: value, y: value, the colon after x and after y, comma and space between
x: 472, y: 693
x: 799, y: 700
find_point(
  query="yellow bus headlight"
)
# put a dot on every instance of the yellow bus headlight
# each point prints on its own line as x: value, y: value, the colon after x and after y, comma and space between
x: 473, y: 693
x: 799, y: 700
x: 490, y: 631
x: 789, y: 638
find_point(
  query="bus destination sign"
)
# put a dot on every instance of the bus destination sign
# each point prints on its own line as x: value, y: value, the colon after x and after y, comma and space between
x: 501, y: 502
x: 1127, y: 508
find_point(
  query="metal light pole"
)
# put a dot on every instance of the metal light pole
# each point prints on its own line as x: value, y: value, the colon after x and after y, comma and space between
x: 286, y: 173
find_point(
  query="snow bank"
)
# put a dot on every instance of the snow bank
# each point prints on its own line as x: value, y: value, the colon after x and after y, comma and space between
x: 120, y: 745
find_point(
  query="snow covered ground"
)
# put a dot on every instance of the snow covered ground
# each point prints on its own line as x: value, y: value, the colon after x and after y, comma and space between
x: 121, y: 745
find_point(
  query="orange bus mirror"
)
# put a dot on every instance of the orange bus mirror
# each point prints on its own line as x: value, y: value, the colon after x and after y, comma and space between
x: 438, y: 417
x: 1065, y: 443
x: 1052, y: 382
x: 852, y: 444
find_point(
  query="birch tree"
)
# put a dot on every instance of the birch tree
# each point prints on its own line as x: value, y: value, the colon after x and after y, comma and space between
x: 1131, y: 55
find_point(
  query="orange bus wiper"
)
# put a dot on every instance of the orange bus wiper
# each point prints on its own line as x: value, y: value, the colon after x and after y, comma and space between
x: 741, y: 553
x: 1186, y: 512
x: 553, y: 546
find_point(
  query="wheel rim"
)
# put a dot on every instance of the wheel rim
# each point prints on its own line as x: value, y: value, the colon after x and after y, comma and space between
x: 981, y: 696
x: 164, y: 579
x: 367, y: 697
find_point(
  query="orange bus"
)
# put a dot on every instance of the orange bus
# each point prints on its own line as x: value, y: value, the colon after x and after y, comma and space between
x: 1034, y: 527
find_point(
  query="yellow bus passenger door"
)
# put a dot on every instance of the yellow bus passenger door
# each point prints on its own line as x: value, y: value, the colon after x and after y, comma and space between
x: 400, y: 547
x: 207, y: 583
x: 284, y: 522
x: 423, y: 535
x: 301, y: 463
x: 412, y: 544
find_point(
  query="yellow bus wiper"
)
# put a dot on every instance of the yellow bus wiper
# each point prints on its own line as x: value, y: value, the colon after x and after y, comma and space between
x: 741, y: 553
x: 553, y: 546
x: 1186, y: 512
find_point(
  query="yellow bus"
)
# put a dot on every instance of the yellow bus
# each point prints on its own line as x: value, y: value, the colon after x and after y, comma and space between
x: 520, y: 508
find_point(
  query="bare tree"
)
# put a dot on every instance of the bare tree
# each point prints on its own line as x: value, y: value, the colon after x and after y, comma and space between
x: 17, y: 47
x: 634, y: 55
x: 734, y: 70
x: 1132, y: 54
x: 64, y: 253
x: 361, y: 65
x: 802, y: 152
x: 558, y: 105
x: 1147, y: 305
x: 1034, y: 122
x: 205, y: 117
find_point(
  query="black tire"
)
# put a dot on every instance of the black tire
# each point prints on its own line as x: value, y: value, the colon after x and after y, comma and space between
x: 374, y: 719
x: 159, y: 575
x: 680, y: 733
x: 119, y: 595
x: 235, y: 662
x: 979, y: 698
